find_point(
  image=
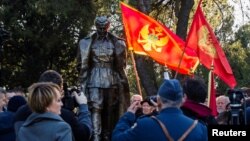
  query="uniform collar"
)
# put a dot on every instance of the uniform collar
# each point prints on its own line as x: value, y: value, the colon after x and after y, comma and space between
x: 106, y: 37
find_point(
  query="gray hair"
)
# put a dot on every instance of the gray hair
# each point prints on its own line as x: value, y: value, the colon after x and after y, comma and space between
x: 170, y: 103
x: 2, y: 90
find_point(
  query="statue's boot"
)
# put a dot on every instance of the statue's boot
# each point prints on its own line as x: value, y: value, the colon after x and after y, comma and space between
x: 97, y: 126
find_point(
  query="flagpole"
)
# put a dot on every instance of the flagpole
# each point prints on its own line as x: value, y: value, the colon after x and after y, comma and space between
x: 136, y: 73
x: 209, y: 88
x: 212, y: 91
x: 210, y: 82
x: 180, y: 61
x: 183, y: 51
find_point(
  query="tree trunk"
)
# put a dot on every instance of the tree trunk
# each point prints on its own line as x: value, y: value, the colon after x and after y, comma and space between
x: 182, y: 24
x: 145, y: 68
x: 183, y: 17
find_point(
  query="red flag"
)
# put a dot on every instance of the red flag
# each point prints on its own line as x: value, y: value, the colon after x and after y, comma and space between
x: 212, y: 94
x: 148, y: 37
x: 202, y: 39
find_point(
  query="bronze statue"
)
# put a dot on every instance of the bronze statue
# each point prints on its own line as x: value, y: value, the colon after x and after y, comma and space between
x: 101, y: 62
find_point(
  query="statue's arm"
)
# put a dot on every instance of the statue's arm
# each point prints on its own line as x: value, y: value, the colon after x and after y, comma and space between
x: 83, y: 62
x: 121, y: 59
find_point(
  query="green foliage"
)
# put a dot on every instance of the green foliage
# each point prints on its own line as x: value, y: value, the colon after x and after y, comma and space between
x: 166, y: 12
x: 243, y: 34
x: 45, y: 35
x: 239, y: 52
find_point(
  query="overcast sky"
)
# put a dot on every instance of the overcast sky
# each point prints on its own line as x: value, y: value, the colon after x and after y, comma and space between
x: 241, y: 16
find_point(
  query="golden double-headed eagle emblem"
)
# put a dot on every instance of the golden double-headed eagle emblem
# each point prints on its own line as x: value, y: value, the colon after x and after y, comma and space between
x: 152, y: 39
x: 205, y: 42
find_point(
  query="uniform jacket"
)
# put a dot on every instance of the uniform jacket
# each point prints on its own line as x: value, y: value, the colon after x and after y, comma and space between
x: 147, y: 129
x: 101, y: 63
x: 44, y: 127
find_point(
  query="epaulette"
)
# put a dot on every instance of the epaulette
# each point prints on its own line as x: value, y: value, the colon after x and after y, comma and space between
x: 114, y: 36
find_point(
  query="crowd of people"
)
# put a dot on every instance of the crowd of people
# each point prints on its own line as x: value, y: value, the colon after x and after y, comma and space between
x: 42, y: 111
x: 177, y: 112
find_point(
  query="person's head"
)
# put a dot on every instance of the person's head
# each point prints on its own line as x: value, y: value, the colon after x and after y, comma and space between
x: 170, y: 94
x: 2, y: 99
x: 195, y: 90
x: 45, y: 97
x: 222, y: 103
x: 19, y: 91
x: 102, y: 24
x: 15, y: 102
x: 246, y: 91
x: 147, y: 106
x: 135, y: 98
x: 247, y: 102
x: 9, y: 95
x: 52, y: 76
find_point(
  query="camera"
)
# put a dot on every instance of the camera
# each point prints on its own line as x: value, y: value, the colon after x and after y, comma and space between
x: 69, y: 101
x: 235, y: 96
x: 237, y: 106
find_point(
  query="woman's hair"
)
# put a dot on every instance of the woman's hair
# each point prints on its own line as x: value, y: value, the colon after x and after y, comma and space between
x: 41, y: 95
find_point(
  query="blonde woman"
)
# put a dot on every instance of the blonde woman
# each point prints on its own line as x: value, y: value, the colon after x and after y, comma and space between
x: 44, y: 124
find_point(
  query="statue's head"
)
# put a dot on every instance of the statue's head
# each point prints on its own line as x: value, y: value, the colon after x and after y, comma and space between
x: 102, y: 24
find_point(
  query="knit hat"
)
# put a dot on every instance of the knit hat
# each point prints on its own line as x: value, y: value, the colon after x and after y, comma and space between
x: 15, y: 102
x: 171, y: 89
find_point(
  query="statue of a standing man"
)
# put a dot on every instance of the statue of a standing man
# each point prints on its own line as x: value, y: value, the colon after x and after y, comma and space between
x: 101, y: 61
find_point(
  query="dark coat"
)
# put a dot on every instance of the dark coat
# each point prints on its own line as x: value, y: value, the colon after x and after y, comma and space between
x: 198, y: 111
x: 7, y: 132
x: 44, y: 127
x: 248, y: 115
x: 81, y: 125
x: 147, y: 129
